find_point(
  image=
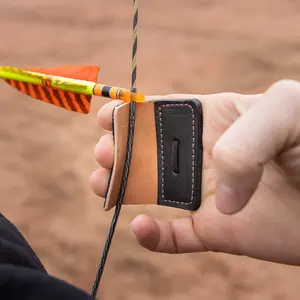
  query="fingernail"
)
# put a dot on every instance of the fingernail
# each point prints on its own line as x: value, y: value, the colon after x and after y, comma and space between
x: 230, y: 200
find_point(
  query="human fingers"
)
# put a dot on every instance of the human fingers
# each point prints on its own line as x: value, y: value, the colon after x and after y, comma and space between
x: 104, y: 151
x: 253, y: 140
x: 99, y: 181
x: 105, y: 113
x: 173, y: 236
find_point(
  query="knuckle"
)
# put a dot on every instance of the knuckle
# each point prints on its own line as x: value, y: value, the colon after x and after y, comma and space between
x: 285, y: 95
x: 286, y: 90
x: 286, y: 84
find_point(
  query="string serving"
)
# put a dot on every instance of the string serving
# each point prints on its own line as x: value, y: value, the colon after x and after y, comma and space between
x: 127, y: 158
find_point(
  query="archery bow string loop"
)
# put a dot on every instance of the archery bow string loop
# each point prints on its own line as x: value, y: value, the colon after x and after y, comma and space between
x: 132, y: 109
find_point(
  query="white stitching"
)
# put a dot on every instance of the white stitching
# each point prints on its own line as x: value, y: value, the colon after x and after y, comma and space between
x: 162, y: 152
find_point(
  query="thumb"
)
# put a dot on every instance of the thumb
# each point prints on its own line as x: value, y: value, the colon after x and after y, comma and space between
x: 269, y: 127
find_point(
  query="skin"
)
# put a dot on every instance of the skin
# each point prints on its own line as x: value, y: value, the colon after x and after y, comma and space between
x: 251, y: 178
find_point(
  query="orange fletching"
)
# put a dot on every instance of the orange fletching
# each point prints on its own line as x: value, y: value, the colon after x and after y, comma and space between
x: 68, y: 100
x: 89, y: 73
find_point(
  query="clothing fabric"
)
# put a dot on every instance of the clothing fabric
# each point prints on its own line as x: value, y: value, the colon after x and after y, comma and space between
x: 22, y: 275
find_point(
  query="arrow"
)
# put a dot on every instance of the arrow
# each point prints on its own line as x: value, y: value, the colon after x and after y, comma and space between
x: 69, y: 87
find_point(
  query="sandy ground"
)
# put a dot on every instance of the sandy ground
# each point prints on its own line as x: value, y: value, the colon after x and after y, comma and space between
x: 47, y: 154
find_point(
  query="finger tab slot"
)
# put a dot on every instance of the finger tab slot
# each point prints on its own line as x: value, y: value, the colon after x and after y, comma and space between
x: 175, y: 156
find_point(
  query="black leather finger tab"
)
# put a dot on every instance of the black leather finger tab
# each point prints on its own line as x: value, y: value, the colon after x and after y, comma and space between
x: 179, y: 149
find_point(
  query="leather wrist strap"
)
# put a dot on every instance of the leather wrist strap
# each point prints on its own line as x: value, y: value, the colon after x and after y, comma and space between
x: 166, y: 154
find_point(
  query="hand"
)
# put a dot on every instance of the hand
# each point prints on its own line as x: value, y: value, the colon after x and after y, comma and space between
x: 251, y: 179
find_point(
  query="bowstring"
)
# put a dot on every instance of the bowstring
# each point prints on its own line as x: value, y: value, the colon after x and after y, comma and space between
x: 134, y: 46
x: 127, y: 159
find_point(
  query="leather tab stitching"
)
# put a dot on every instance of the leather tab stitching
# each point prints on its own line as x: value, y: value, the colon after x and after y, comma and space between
x: 162, y: 151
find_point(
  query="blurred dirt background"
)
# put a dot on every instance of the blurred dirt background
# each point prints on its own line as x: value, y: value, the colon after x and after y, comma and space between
x: 47, y: 154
